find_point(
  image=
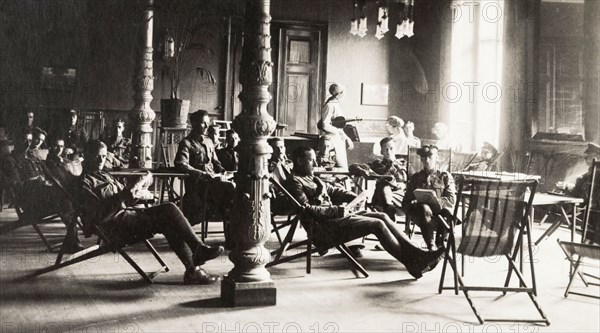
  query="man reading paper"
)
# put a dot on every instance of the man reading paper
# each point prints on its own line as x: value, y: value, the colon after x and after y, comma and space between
x: 107, y: 202
x: 333, y: 222
x: 423, y: 208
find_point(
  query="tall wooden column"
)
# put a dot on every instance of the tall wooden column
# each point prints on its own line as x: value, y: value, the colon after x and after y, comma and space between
x: 249, y: 283
x: 143, y: 83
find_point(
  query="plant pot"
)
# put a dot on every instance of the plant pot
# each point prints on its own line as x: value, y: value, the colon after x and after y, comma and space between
x: 174, y: 112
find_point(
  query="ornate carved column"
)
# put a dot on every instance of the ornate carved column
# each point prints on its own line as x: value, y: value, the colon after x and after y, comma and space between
x: 143, y: 83
x: 249, y: 283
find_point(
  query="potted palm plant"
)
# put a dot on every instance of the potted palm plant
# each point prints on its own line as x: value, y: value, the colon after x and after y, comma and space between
x: 185, y: 24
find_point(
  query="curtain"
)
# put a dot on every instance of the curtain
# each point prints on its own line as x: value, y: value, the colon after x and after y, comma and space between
x: 519, y: 100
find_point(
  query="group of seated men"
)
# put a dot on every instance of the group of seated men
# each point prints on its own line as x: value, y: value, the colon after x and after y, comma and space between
x: 103, y: 201
x: 25, y: 173
x: 394, y: 190
x: 107, y: 202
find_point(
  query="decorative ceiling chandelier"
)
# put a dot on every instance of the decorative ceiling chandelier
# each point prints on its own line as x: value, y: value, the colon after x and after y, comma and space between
x: 358, y: 24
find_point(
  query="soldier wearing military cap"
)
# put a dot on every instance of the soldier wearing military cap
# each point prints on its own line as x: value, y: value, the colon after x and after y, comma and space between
x: 75, y: 135
x: 442, y: 183
x: 582, y: 183
x: 485, y: 160
x: 582, y: 188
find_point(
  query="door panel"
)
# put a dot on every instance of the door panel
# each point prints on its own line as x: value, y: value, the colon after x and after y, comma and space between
x: 297, y: 103
x: 298, y: 87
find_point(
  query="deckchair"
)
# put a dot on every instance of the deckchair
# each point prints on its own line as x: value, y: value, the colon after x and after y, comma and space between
x: 308, y: 242
x: 104, y: 244
x: 495, y: 225
x: 32, y: 217
x: 576, y: 254
x: 591, y: 218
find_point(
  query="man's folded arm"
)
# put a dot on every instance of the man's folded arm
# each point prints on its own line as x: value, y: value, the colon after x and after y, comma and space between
x: 317, y: 212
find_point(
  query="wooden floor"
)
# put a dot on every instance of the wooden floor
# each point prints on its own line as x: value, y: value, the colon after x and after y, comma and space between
x: 106, y: 295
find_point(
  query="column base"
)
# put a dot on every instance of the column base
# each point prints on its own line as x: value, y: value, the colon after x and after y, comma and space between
x: 236, y: 294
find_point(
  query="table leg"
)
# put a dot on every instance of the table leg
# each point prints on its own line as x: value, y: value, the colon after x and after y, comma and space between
x: 552, y: 228
x: 161, y: 189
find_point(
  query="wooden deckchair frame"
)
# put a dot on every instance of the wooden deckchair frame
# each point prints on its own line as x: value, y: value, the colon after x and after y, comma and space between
x: 516, y: 250
x: 104, y: 245
x: 34, y: 221
x: 576, y: 252
x: 356, y: 267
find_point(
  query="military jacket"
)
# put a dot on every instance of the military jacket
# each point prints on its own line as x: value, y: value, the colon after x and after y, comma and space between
x: 198, y: 154
x: 440, y: 182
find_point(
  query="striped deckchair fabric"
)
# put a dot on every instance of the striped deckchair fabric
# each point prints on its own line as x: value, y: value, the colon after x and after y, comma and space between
x: 494, y: 213
x: 577, y: 253
x: 581, y: 250
x: 495, y: 225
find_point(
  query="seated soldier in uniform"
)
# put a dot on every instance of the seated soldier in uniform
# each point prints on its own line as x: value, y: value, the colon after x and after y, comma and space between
x: 39, y: 136
x: 334, y: 224
x: 213, y: 134
x: 31, y: 125
x: 326, y: 157
x: 423, y: 214
x: 389, y: 191
x: 281, y: 170
x: 75, y: 135
x: 197, y: 157
x: 56, y: 153
x: 228, y: 156
x: 485, y: 159
x: 581, y: 190
x: 107, y: 201
x: 60, y: 166
x: 38, y: 197
x: 119, y: 146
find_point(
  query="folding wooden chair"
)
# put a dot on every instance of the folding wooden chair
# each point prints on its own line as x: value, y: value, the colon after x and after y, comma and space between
x: 32, y: 218
x: 592, y: 210
x: 103, y: 246
x: 308, y: 242
x: 495, y: 225
x: 276, y: 227
x: 590, y: 213
x: 168, y: 154
x: 576, y: 254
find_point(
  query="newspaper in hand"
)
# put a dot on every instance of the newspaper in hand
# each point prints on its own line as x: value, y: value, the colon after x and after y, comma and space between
x: 362, y: 197
x: 140, y: 188
x: 427, y: 196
